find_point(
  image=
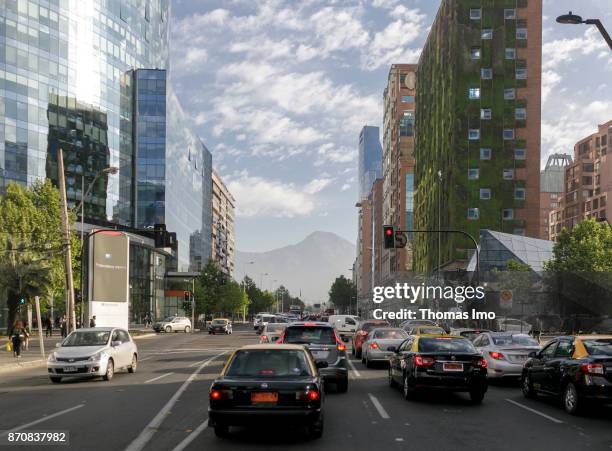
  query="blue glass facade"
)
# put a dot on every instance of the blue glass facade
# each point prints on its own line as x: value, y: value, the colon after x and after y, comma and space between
x: 370, y: 160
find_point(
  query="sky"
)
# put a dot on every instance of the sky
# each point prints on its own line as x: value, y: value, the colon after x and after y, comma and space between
x: 279, y: 90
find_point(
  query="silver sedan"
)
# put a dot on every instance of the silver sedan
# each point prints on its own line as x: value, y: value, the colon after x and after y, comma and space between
x: 505, y: 352
x: 376, y: 345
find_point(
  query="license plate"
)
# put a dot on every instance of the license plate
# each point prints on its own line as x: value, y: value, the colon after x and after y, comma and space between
x: 452, y: 366
x: 264, y: 397
x: 70, y: 369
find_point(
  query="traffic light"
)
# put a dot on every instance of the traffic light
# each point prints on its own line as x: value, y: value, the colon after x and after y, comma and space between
x: 22, y: 300
x: 389, y: 237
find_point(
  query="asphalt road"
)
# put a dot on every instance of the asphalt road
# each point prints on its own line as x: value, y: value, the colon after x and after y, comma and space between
x: 163, y: 406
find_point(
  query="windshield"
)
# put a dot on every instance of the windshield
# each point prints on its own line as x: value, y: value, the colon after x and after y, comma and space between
x: 514, y: 340
x: 219, y: 322
x: 89, y: 338
x: 275, y: 327
x: 601, y: 346
x: 444, y: 344
x: 269, y: 364
x: 310, y: 335
x: 391, y: 334
x: 168, y: 319
x: 430, y: 330
x: 369, y: 326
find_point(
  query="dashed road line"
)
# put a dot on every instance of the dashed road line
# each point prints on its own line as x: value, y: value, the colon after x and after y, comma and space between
x: 158, y: 378
x: 381, y: 410
x: 548, y: 417
x: 355, y: 371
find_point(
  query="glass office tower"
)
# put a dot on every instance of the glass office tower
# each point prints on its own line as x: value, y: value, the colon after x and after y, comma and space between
x: 370, y: 159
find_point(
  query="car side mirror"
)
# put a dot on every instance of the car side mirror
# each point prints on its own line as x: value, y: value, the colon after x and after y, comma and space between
x: 392, y: 349
x: 115, y: 343
x: 532, y: 354
x: 322, y: 364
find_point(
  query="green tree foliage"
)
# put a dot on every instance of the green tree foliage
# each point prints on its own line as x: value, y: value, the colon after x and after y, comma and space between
x: 31, y: 259
x: 342, y: 293
x: 261, y: 301
x: 287, y: 300
x: 217, y: 293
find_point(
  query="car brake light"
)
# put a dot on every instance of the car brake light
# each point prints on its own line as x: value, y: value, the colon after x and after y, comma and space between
x: 424, y: 361
x: 592, y: 368
x: 309, y: 324
x: 341, y: 347
x: 216, y: 395
x: 374, y: 345
x: 482, y: 363
x: 313, y: 395
x: 496, y: 355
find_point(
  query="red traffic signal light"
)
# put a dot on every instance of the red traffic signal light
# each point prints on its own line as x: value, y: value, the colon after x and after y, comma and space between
x: 388, y: 236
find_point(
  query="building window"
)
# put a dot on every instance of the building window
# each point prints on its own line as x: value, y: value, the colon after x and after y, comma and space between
x: 485, y: 114
x: 487, y: 33
x: 509, y: 94
x: 485, y: 193
x: 510, y: 54
x: 407, y: 123
x: 508, y: 174
x: 485, y: 154
x: 474, y: 93
x: 519, y: 193
x: 509, y: 13
x: 520, y: 154
x: 486, y: 73
x: 521, y: 74
x: 508, y: 134
x: 473, y: 173
x: 508, y: 214
x: 475, y: 13
x: 521, y: 33
x: 473, y: 213
x: 473, y: 134
x: 520, y: 114
x: 475, y: 53
x: 408, y: 99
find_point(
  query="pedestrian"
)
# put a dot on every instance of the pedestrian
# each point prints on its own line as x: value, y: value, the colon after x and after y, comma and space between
x: 26, y: 336
x: 64, y: 326
x: 16, y: 337
x: 49, y: 327
x: 92, y: 321
x: 147, y: 320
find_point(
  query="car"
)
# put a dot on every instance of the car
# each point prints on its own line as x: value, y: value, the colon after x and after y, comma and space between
x: 346, y: 325
x: 323, y: 342
x: 420, y: 330
x: 468, y: 333
x: 257, y: 320
x: 577, y: 369
x: 173, y: 324
x: 410, y: 323
x: 438, y: 362
x: 268, y: 385
x: 362, y: 332
x: 505, y: 352
x: 272, y: 332
x: 92, y: 352
x: 513, y: 325
x: 220, y: 326
x: 377, y: 343
x: 268, y: 318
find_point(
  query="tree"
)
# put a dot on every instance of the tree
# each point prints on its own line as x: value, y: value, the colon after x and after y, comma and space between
x: 260, y: 301
x: 342, y: 293
x: 215, y: 292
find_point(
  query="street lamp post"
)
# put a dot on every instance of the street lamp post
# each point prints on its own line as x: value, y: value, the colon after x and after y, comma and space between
x: 574, y: 19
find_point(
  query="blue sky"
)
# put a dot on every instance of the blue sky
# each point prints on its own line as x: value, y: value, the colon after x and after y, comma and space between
x: 279, y: 91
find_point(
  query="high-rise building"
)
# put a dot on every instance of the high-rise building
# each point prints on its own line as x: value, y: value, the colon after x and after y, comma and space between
x: 587, y: 183
x: 478, y: 126
x: 398, y: 163
x: 223, y: 235
x: 370, y: 159
x: 551, y: 187
x: 363, y: 262
x: 376, y: 202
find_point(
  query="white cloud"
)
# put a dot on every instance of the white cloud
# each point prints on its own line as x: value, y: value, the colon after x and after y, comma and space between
x: 345, y: 187
x: 550, y: 80
x: 316, y: 185
x: 339, y: 29
x: 560, y: 51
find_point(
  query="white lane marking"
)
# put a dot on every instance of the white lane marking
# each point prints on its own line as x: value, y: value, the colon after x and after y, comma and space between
x: 191, y: 437
x: 48, y: 417
x: 554, y: 420
x: 158, y: 378
x: 381, y: 410
x: 147, y: 433
x: 146, y: 358
x: 350, y: 362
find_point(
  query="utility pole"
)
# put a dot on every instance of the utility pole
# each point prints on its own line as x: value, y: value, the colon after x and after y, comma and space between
x: 66, y: 241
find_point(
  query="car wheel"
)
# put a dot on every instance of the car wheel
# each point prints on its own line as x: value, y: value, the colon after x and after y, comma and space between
x: 168, y: 329
x: 476, y: 396
x: 390, y: 379
x: 571, y: 400
x: 187, y: 329
x: 527, y: 386
x: 316, y: 428
x: 132, y: 367
x: 221, y: 430
x: 407, y: 390
x: 342, y: 386
x: 110, y: 370
x: 55, y: 379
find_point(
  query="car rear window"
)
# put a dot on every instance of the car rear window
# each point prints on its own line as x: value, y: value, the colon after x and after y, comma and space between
x: 310, y: 335
x: 600, y: 346
x: 276, y: 327
x: 444, y: 344
x: 514, y: 340
x: 369, y: 326
x: 271, y: 363
x: 430, y: 330
x: 391, y: 334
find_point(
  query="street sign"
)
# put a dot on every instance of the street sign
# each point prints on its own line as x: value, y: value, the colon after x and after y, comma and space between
x: 400, y: 239
x: 505, y: 299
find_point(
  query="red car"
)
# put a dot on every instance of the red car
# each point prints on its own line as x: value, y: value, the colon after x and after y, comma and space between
x: 362, y: 332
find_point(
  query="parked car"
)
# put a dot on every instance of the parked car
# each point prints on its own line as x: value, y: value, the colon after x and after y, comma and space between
x: 268, y: 385
x: 362, y: 332
x: 91, y: 352
x: 345, y: 325
x: 220, y: 326
x: 377, y: 343
x: 438, y: 362
x: 173, y: 324
x: 513, y: 325
x: 324, y: 344
x: 578, y: 369
x: 272, y: 332
x: 506, y: 353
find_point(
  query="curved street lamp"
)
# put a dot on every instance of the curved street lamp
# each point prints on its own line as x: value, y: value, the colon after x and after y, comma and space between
x: 574, y: 19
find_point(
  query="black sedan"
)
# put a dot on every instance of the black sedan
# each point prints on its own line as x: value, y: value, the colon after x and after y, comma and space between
x: 438, y: 362
x: 578, y: 369
x: 268, y: 385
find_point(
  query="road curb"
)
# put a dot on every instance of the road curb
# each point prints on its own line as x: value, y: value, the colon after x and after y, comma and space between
x: 22, y: 365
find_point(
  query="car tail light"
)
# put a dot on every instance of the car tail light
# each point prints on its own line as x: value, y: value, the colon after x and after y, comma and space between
x: 481, y: 363
x: 309, y: 324
x: 496, y: 355
x: 592, y: 368
x: 313, y: 395
x: 424, y: 361
x: 374, y: 345
x: 217, y: 395
x: 341, y: 347
x: 308, y: 395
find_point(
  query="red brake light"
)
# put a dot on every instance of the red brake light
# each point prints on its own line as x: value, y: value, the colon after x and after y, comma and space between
x: 424, y: 361
x: 309, y: 324
x: 374, y: 345
x: 592, y: 368
x: 215, y: 395
x: 496, y: 355
x: 482, y: 363
x: 313, y: 395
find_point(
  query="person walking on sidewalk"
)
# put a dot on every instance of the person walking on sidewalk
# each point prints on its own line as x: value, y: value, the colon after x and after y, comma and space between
x: 63, y: 326
x: 48, y: 327
x: 26, y: 336
x: 92, y: 321
x: 16, y: 337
